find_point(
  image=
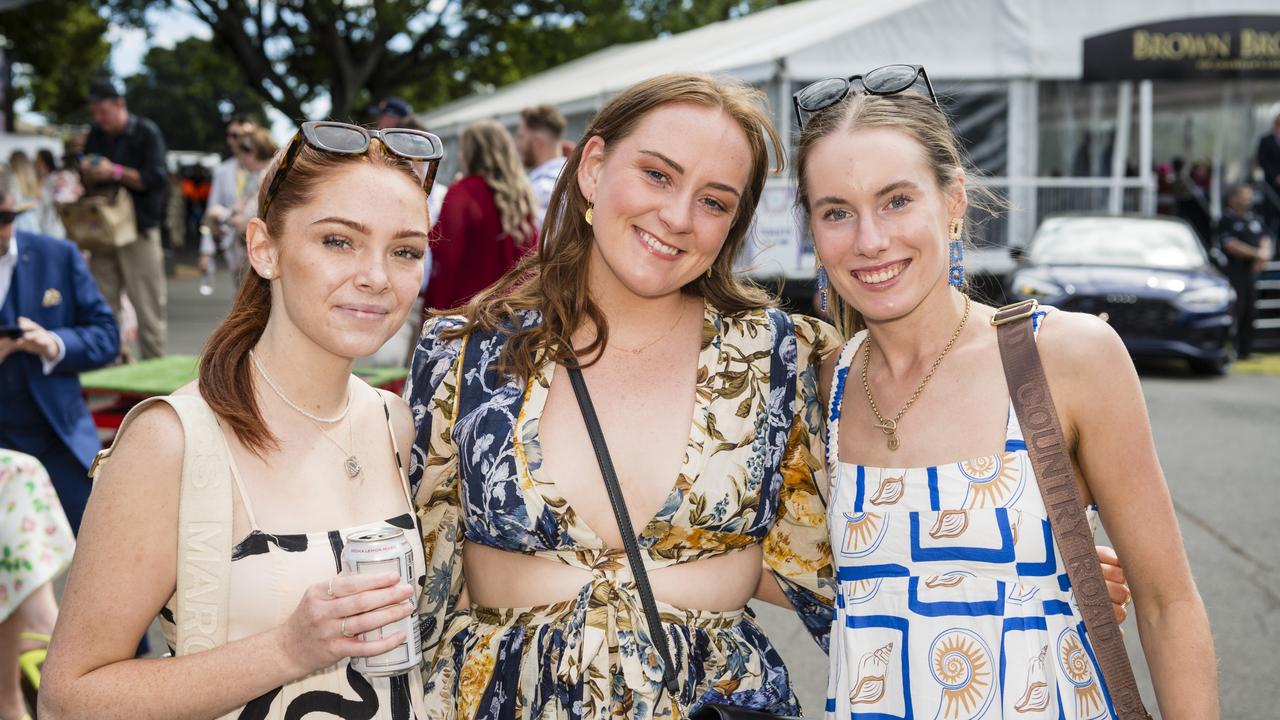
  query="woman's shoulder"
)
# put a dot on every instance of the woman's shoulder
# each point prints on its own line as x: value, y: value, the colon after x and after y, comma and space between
x: 814, y: 339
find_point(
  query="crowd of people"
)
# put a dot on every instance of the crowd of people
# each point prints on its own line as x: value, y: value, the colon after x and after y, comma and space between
x: 579, y: 303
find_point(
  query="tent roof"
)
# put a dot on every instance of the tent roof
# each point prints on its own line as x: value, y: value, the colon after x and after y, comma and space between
x: 955, y: 39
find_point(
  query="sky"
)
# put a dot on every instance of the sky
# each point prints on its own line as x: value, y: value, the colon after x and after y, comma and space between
x: 168, y: 27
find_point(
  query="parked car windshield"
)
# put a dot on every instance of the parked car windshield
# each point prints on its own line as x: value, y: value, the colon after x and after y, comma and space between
x: 1130, y: 242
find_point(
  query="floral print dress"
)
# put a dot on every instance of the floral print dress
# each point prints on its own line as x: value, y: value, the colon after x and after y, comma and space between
x: 752, y: 473
x: 36, y: 542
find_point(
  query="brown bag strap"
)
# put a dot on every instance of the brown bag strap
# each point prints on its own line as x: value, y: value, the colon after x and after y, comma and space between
x: 1051, y: 460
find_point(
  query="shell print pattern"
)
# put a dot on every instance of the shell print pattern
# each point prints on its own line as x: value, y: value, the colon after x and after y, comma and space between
x: 871, y: 676
x: 950, y: 524
x: 962, y: 664
x: 947, y: 580
x: 863, y: 533
x: 1035, y: 698
x: 994, y: 481
x: 957, y: 566
x: 890, y: 491
x: 1077, y: 667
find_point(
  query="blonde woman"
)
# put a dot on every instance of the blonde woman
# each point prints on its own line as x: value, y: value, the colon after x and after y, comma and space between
x: 26, y: 186
x: 486, y: 224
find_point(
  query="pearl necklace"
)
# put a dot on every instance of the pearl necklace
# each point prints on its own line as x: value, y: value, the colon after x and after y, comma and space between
x: 351, y: 464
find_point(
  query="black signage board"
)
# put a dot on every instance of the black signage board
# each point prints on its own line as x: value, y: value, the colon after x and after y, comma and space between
x: 1197, y: 48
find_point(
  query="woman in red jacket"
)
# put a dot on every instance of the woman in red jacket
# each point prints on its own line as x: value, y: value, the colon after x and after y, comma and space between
x: 486, y: 223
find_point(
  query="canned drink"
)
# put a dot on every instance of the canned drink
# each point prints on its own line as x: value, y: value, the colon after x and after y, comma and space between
x: 382, y: 550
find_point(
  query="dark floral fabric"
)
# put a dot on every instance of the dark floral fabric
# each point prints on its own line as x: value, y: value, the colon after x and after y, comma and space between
x: 753, y: 474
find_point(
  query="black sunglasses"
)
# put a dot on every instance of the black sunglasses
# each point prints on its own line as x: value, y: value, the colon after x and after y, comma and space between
x: 886, y: 80
x: 345, y: 139
x: 8, y: 216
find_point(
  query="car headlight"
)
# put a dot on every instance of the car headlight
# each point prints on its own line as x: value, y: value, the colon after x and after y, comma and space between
x: 1205, y: 299
x: 1034, y: 287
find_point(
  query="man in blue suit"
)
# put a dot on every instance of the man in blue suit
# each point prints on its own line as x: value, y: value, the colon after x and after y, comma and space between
x: 63, y: 326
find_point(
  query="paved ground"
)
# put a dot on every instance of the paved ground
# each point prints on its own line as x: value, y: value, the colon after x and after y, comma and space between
x: 1219, y: 442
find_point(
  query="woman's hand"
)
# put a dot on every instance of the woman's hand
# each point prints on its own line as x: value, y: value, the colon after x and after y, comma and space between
x: 1117, y: 586
x: 324, y: 628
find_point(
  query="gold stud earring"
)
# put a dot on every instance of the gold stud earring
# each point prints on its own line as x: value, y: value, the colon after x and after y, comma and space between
x: 590, y: 214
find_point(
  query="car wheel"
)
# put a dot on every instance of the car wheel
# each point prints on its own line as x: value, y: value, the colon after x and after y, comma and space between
x: 1216, y: 367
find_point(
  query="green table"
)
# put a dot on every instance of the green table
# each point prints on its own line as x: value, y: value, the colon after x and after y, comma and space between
x: 113, y: 390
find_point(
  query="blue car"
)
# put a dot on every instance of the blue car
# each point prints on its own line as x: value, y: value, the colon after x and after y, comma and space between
x: 1149, y: 276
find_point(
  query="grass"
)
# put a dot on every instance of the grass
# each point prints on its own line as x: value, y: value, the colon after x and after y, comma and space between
x: 1268, y: 364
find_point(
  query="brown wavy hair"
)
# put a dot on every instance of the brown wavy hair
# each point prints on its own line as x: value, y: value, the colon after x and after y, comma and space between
x: 554, y: 279
x: 489, y: 152
x: 918, y: 117
x: 226, y: 379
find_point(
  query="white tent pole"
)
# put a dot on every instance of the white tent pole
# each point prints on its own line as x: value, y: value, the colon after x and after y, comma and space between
x: 1023, y: 154
x: 1144, y: 148
x: 1215, y: 183
x: 1120, y: 148
x: 784, y: 108
x: 1095, y: 130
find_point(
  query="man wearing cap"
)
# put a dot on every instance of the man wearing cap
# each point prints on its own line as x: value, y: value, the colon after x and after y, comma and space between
x: 391, y: 112
x: 63, y: 327
x: 129, y: 150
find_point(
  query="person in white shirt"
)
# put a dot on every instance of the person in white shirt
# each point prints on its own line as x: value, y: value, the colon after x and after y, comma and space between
x: 538, y: 142
x: 230, y: 180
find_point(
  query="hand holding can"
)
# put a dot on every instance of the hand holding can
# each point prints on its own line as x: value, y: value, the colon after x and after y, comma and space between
x: 323, y: 629
x: 385, y: 550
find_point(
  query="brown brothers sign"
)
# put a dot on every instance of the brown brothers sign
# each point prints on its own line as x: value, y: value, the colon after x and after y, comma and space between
x: 1235, y: 46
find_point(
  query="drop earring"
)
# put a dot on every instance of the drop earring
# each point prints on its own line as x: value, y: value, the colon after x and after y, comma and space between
x: 823, y: 283
x: 590, y: 214
x: 956, y: 275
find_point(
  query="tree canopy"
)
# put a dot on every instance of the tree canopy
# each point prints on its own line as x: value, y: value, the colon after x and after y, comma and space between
x: 188, y: 91
x: 294, y: 52
x: 57, y: 47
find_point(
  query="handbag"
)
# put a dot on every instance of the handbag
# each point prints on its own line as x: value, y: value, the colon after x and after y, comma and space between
x: 638, y: 572
x: 100, y: 220
x: 1055, y: 474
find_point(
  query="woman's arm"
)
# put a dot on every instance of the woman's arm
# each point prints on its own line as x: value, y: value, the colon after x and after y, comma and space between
x: 1085, y: 361
x: 124, y: 572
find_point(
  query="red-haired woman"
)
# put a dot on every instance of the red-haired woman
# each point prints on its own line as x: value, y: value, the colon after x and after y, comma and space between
x: 336, y: 256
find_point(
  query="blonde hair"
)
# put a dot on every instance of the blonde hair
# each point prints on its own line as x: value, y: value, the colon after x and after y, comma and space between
x: 25, y: 180
x: 554, y: 279
x: 489, y: 152
x: 913, y: 114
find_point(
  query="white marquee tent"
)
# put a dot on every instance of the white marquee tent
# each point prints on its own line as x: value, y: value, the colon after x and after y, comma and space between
x: 1009, y: 49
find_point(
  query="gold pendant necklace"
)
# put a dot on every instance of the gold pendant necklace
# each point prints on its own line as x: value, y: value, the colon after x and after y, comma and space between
x: 352, y: 463
x: 890, y: 426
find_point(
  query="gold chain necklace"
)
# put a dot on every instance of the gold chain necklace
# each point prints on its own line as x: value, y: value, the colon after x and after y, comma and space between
x: 890, y: 427
x: 351, y: 464
x: 651, y: 343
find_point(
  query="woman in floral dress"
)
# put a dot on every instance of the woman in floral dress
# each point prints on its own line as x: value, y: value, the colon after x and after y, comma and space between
x: 36, y: 545
x: 707, y: 402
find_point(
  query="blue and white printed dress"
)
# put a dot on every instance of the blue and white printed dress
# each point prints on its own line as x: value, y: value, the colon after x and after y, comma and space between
x: 952, y: 602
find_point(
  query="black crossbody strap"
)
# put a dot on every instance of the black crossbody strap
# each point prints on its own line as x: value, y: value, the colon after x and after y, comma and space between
x: 657, y: 635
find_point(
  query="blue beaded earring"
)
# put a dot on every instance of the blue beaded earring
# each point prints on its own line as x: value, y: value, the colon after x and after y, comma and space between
x: 957, y: 253
x: 823, y: 282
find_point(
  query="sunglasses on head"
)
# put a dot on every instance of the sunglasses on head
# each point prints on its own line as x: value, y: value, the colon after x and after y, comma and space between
x: 345, y: 139
x: 886, y: 80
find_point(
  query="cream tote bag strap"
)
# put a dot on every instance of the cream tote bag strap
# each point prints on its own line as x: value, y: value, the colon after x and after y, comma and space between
x: 204, y: 524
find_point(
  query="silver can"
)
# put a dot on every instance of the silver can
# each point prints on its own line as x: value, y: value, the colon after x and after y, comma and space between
x: 385, y: 549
